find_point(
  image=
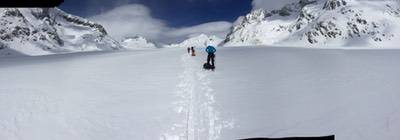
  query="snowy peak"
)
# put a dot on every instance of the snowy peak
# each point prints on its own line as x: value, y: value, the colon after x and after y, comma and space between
x: 352, y: 22
x: 41, y: 31
x: 257, y: 16
x: 199, y: 41
x: 137, y: 42
x: 251, y: 28
x: 320, y: 23
x: 334, y: 4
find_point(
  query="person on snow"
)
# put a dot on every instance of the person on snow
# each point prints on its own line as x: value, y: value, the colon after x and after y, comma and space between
x: 188, y: 49
x: 211, y: 55
x: 193, y: 51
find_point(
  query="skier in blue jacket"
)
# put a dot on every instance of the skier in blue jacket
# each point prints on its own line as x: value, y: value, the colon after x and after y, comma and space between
x: 211, y: 55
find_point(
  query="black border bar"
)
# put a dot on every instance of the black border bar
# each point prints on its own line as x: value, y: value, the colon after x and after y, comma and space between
x: 296, y: 138
x: 30, y: 3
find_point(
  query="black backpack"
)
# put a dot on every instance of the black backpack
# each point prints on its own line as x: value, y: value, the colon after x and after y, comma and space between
x: 208, y: 66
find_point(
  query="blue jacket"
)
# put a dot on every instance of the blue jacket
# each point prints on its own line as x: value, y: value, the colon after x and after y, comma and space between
x: 211, y: 49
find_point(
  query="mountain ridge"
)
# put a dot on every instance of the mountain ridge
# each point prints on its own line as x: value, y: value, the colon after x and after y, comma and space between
x: 319, y: 23
x: 42, y: 31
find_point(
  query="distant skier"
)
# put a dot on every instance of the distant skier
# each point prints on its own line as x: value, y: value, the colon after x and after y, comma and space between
x: 188, y: 50
x: 193, y: 51
x: 210, y: 58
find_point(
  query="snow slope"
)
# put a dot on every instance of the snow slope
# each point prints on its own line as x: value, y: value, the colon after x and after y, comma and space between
x: 319, y: 23
x: 254, y: 92
x: 137, y: 42
x: 41, y: 31
x: 198, y: 41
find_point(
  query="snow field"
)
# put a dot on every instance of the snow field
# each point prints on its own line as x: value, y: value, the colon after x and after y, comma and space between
x: 164, y: 94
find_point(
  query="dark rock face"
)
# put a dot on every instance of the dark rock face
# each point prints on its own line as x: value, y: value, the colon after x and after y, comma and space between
x: 333, y: 4
x: 306, y: 2
x: 76, y: 20
x: 12, y: 13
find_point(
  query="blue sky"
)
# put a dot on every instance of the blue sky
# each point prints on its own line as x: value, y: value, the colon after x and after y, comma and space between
x: 166, y: 21
x: 175, y: 13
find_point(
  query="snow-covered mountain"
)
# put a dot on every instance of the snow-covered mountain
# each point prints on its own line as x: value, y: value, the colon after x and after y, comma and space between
x: 137, y: 42
x: 199, y: 41
x: 41, y: 31
x: 320, y: 23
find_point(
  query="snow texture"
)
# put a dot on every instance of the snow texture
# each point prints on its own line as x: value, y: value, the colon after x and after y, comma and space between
x: 254, y: 92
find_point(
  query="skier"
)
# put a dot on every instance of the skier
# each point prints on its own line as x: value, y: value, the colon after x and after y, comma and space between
x: 210, y: 58
x: 193, y: 51
x: 188, y: 50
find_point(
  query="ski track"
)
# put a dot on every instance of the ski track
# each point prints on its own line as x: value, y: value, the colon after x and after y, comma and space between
x: 196, y: 106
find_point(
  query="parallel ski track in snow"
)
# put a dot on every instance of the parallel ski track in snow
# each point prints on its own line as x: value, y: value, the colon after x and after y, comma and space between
x: 197, y: 104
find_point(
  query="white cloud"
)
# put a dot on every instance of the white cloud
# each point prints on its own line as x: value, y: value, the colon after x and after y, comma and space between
x: 271, y: 4
x: 136, y: 19
x: 130, y: 20
x: 219, y: 28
